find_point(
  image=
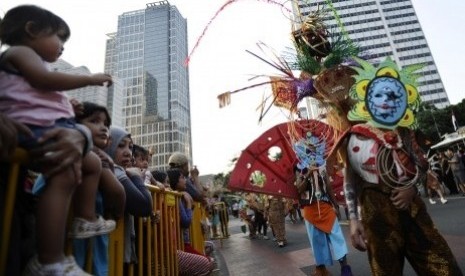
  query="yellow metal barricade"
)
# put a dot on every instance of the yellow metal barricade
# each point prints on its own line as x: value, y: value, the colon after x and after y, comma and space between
x: 158, y: 240
x: 19, y: 157
x: 196, y: 233
x: 116, y: 250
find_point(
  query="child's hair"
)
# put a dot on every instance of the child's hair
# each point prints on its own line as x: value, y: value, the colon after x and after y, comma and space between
x: 159, y: 176
x: 90, y: 109
x: 13, y: 25
x: 173, y: 175
x: 138, y: 151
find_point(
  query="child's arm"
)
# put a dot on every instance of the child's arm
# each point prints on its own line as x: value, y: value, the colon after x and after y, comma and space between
x: 31, y: 66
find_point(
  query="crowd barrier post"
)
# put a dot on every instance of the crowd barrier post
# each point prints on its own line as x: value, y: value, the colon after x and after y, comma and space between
x: 196, y: 232
x: 19, y: 157
x: 116, y: 250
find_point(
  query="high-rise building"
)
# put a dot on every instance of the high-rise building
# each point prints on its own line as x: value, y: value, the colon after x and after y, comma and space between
x: 147, y: 53
x: 385, y: 28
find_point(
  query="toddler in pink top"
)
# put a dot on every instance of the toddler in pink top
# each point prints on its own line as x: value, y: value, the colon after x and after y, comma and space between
x: 28, y: 94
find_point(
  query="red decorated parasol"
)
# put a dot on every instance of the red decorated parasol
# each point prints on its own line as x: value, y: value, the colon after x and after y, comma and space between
x: 266, y: 166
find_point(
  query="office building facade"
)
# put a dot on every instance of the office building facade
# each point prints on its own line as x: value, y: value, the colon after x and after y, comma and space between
x: 147, y: 53
x: 385, y: 28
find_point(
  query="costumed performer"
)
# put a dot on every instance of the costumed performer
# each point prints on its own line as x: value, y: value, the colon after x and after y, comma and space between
x: 384, y: 165
x: 319, y: 206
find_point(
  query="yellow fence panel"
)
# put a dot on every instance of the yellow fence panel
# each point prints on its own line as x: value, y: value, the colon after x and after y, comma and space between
x: 19, y: 157
x: 158, y: 238
x: 196, y: 232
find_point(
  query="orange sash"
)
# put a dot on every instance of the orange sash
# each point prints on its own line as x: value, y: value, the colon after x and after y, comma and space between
x: 322, y: 219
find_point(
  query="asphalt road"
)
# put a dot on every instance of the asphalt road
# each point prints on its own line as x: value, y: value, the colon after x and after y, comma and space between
x: 239, y: 255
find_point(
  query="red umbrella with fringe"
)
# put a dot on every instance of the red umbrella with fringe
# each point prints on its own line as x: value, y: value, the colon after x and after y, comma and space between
x: 266, y: 166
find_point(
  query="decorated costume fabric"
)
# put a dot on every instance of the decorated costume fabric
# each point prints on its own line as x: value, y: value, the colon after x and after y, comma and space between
x: 259, y: 170
x: 321, y: 215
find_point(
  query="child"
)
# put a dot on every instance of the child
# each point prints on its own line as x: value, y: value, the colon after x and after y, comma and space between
x: 141, y: 161
x: 190, y: 262
x: 97, y: 119
x: 29, y: 95
x: 162, y: 177
x: 111, y: 199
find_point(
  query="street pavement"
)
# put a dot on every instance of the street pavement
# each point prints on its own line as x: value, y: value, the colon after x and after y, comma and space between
x: 238, y: 255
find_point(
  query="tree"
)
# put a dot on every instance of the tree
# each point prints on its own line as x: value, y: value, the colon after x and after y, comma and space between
x: 435, y: 122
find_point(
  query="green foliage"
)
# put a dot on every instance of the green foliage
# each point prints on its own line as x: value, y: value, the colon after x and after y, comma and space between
x: 432, y: 120
x: 304, y: 60
x: 341, y: 50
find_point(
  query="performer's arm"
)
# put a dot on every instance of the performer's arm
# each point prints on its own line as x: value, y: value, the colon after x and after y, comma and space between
x: 349, y: 191
x: 357, y: 233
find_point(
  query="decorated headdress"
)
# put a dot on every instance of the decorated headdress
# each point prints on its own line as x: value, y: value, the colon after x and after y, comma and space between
x: 321, y: 56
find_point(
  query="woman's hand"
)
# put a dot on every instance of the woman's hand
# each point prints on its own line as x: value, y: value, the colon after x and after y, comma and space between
x: 402, y: 198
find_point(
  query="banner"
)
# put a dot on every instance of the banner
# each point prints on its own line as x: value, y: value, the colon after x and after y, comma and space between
x: 454, y: 122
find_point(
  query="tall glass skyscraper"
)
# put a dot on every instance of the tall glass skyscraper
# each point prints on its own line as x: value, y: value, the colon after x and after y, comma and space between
x: 386, y: 28
x: 147, y: 53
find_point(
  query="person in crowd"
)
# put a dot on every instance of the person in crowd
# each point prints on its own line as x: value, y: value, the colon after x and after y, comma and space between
x: 194, y: 187
x: 161, y: 177
x: 29, y: 94
x: 320, y: 217
x: 247, y: 215
x: 235, y: 209
x: 448, y: 177
x: 250, y: 208
x: 111, y: 197
x: 434, y: 180
x: 67, y: 149
x: 141, y: 161
x: 138, y: 198
x: 214, y: 215
x: 296, y: 206
x: 97, y: 119
x: 291, y: 210
x: 185, y: 209
x: 191, y: 262
x: 260, y: 216
x: 457, y: 168
x: 276, y: 209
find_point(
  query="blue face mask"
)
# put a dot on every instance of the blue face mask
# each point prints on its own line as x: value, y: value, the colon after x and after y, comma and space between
x: 386, y: 100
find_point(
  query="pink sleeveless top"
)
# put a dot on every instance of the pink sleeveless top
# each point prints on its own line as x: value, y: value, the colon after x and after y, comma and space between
x: 26, y: 104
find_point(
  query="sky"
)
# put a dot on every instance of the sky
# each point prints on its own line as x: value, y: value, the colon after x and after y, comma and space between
x: 220, y: 63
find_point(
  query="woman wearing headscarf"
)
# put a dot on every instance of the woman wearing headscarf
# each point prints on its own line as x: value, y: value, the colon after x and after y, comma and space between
x: 138, y: 198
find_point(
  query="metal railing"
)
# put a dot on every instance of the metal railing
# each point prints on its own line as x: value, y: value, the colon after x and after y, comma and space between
x: 157, y: 241
x: 19, y: 157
